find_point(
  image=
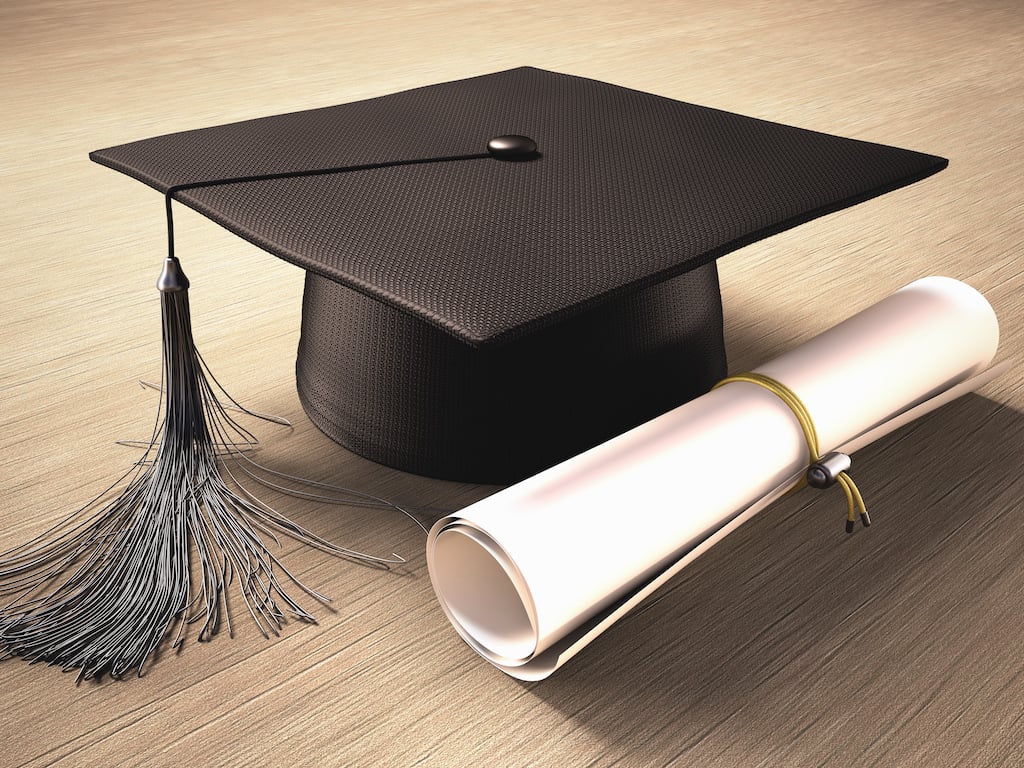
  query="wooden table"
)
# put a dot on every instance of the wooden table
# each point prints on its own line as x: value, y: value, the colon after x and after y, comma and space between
x: 790, y: 644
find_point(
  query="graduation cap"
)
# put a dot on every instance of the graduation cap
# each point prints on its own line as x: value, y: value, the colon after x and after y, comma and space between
x: 505, y: 270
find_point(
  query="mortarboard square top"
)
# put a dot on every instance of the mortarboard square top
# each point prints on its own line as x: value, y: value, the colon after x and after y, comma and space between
x: 476, y: 312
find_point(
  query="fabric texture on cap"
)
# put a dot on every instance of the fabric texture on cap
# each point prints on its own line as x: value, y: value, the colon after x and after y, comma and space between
x: 479, y: 318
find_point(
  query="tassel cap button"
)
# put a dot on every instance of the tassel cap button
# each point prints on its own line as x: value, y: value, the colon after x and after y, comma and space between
x: 512, y: 147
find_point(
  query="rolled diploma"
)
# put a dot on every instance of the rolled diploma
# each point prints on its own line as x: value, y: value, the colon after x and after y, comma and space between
x: 533, y: 573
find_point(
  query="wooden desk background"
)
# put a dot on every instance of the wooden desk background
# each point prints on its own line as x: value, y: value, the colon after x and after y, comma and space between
x: 788, y: 645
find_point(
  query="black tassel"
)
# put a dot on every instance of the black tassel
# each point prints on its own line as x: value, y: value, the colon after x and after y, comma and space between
x: 100, y: 591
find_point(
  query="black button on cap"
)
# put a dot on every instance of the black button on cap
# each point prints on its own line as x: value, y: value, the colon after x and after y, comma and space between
x: 512, y: 147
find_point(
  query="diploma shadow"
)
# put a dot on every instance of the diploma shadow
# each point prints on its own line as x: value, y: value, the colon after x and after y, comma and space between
x: 794, y: 642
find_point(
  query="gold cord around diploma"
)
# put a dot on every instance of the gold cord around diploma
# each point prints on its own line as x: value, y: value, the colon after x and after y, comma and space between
x: 853, y: 498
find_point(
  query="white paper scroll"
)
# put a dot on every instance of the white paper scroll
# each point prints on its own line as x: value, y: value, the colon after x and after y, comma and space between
x: 530, y: 575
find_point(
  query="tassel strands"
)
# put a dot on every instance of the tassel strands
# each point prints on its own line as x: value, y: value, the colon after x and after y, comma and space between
x: 100, y: 592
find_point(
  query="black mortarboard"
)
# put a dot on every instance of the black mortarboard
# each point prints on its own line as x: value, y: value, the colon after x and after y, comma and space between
x: 479, y: 309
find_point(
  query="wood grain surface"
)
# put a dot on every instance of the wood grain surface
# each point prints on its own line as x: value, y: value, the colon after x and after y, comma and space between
x: 790, y: 644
